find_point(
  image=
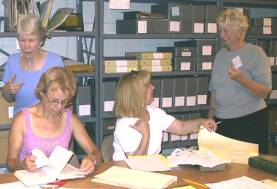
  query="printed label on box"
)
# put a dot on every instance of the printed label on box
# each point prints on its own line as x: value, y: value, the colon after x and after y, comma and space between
x: 156, y: 62
x: 186, y: 53
x: 212, y: 28
x: 167, y: 102
x: 185, y: 66
x: 198, y: 27
x: 142, y: 26
x: 121, y: 63
x: 84, y: 110
x: 179, y: 101
x: 267, y: 21
x: 108, y: 106
x: 207, y: 50
x: 121, y: 69
x: 174, y: 26
x: 201, y: 99
x: 191, y: 100
x: 206, y: 65
x: 175, y: 11
x: 267, y: 30
x: 155, y: 103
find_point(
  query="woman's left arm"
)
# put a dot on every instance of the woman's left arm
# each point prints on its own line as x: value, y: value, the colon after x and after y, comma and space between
x: 257, y: 89
x: 179, y: 127
x: 81, y: 136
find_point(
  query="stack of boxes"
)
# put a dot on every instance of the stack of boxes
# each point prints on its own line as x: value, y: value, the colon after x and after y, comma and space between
x: 153, y: 61
x: 265, y: 26
x: 185, y: 55
x: 120, y: 65
x: 174, y: 17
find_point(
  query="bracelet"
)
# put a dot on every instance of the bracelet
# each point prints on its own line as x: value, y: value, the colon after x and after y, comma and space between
x: 93, y: 157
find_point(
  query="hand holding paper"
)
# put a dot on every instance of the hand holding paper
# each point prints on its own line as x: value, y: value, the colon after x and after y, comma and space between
x: 49, y: 169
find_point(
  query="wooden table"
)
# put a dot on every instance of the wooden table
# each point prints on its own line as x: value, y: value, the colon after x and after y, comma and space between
x: 188, y: 172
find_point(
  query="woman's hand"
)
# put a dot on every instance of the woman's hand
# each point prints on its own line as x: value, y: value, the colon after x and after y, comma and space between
x: 29, y: 163
x: 235, y: 74
x: 209, y: 124
x: 11, y: 87
x: 87, y: 165
x: 142, y: 125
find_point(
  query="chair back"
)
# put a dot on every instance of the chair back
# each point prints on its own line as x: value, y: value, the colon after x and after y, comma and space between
x: 107, y: 149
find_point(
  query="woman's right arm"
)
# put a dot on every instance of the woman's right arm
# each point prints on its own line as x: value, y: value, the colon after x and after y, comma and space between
x: 15, y: 144
x: 10, y: 89
x: 142, y: 126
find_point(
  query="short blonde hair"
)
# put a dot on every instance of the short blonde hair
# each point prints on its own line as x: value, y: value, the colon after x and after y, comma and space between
x: 234, y: 18
x: 56, y: 78
x: 30, y: 24
x: 130, y: 99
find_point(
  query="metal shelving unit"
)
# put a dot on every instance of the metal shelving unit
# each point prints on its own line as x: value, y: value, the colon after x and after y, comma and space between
x: 103, y: 37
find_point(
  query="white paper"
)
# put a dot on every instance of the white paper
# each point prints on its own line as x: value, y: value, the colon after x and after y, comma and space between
x: 50, y: 168
x: 17, y: 185
x: 226, y: 148
x: 148, y: 163
x: 240, y: 183
x: 237, y: 62
x: 195, y: 157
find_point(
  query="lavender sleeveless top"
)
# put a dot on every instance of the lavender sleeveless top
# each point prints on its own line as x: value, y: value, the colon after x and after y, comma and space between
x: 47, y: 145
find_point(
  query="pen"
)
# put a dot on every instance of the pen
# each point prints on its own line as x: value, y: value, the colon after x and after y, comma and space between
x: 197, y: 130
x: 196, y: 184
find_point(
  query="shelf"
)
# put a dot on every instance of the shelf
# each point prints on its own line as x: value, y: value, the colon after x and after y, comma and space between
x: 5, y: 127
x: 160, y: 36
x: 162, y: 74
x: 177, y: 144
x: 88, y: 119
x: 85, y: 74
x: 251, y: 3
x: 108, y: 115
x: 265, y: 36
x: 54, y: 34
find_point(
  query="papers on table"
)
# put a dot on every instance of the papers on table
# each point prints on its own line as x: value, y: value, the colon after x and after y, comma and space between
x: 17, y: 185
x: 226, y: 148
x: 131, y: 178
x: 154, y: 162
x: 49, y: 169
x: 195, y: 157
x: 240, y: 183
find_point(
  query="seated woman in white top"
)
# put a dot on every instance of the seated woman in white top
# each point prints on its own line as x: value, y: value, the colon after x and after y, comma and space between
x: 139, y: 127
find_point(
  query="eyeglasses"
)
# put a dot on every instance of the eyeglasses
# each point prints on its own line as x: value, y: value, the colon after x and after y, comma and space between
x: 56, y: 102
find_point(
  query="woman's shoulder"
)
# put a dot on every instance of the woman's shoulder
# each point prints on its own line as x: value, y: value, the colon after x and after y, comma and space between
x: 14, y: 58
x: 153, y: 110
x: 126, y: 121
x: 54, y: 59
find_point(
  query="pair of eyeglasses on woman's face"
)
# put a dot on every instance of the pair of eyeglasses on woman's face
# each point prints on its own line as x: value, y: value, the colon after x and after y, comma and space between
x: 56, y: 102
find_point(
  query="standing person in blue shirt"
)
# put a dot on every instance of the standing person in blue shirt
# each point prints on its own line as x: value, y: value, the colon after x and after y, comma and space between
x: 240, y: 81
x: 23, y: 69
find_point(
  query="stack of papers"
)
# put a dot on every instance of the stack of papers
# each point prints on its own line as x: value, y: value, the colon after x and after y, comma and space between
x: 49, y: 169
x: 240, y: 183
x: 154, y: 162
x: 226, y: 148
x: 130, y: 178
x: 195, y: 157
